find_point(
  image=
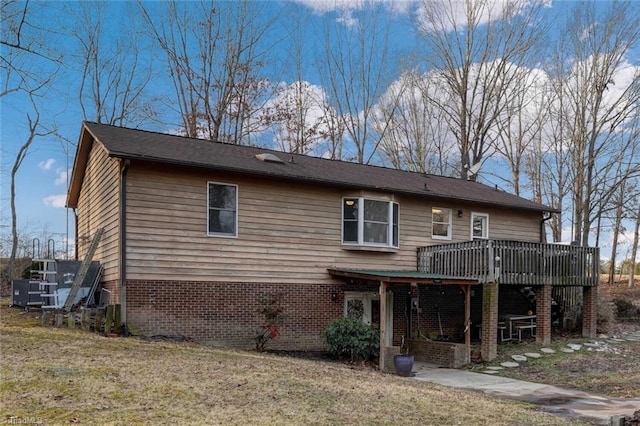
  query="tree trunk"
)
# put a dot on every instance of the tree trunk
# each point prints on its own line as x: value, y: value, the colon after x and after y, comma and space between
x: 634, y: 251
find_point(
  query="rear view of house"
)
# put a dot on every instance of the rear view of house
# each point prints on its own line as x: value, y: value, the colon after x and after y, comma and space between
x: 198, y: 233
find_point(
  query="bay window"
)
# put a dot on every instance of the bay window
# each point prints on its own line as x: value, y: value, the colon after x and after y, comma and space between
x: 369, y: 222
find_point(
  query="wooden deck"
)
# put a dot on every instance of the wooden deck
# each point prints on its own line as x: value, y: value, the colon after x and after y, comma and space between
x: 513, y: 262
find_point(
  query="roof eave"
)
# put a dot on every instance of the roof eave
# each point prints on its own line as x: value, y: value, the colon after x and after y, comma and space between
x: 85, y: 141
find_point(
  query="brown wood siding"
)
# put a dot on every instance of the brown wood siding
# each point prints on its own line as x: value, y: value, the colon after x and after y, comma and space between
x: 287, y: 233
x: 504, y: 224
x: 98, y: 207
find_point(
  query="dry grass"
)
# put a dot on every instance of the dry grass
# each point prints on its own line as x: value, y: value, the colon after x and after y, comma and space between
x: 67, y: 376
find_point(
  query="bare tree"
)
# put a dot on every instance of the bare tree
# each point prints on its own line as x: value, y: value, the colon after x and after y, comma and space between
x: 634, y: 246
x: 356, y: 72
x: 476, y: 47
x: 21, y: 43
x: 24, y: 79
x: 297, y: 115
x: 34, y: 131
x: 296, y: 111
x: 216, y: 52
x: 520, y: 129
x: 602, y: 92
x: 114, y: 75
x: 416, y: 137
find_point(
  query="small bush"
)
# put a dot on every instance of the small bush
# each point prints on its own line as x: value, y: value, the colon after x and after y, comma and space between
x: 272, y: 312
x: 625, y: 308
x: 351, y: 338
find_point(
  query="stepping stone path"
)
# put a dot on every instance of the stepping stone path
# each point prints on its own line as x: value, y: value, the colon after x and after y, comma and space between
x: 570, y: 348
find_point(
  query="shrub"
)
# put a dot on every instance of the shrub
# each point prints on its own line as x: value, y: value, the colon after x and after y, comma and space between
x: 273, y: 317
x: 625, y: 308
x: 350, y: 337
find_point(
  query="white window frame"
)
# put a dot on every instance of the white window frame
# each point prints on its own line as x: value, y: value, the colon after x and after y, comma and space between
x: 449, y: 224
x: 391, y: 226
x: 485, y: 230
x: 235, y: 230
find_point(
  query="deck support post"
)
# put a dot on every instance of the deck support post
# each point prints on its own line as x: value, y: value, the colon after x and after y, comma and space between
x: 489, y: 345
x: 467, y: 322
x: 589, y: 311
x: 543, y: 314
x: 383, y: 326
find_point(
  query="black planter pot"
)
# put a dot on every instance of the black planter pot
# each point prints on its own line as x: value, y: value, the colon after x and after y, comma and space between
x: 403, y: 364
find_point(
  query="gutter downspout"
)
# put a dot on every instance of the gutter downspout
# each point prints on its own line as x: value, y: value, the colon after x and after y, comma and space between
x: 123, y: 239
x: 543, y: 234
x: 75, y: 221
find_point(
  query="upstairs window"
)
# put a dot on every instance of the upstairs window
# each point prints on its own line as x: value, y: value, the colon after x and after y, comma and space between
x: 368, y: 222
x: 440, y: 223
x: 479, y: 226
x: 222, y: 220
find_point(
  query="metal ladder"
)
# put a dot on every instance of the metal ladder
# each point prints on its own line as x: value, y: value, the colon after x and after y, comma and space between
x: 44, y: 277
x: 84, y: 268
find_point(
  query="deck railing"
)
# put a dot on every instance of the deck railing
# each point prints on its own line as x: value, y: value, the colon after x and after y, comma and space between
x: 513, y: 262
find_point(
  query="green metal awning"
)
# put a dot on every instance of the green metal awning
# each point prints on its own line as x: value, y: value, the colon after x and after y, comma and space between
x: 391, y: 276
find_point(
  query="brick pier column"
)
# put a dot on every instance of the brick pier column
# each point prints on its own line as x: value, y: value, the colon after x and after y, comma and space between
x: 589, y: 311
x: 489, y: 345
x: 543, y: 314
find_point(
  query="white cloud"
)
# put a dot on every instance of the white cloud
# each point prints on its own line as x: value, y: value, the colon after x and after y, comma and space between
x: 346, y: 7
x: 46, y: 165
x: 451, y: 15
x: 57, y: 201
x: 63, y: 175
x: 347, y: 19
x: 325, y: 6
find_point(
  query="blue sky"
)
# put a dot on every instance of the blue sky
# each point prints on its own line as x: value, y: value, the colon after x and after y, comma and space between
x: 42, y: 180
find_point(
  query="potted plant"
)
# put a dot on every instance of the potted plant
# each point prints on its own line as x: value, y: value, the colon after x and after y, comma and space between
x: 403, y: 361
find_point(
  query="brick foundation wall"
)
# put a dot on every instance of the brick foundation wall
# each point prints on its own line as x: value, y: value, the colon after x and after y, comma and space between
x: 444, y: 354
x: 226, y: 314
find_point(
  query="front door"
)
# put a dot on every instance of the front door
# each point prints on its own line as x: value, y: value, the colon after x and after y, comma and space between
x: 365, y: 306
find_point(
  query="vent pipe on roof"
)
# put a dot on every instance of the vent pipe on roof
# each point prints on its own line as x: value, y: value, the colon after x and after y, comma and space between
x: 267, y: 157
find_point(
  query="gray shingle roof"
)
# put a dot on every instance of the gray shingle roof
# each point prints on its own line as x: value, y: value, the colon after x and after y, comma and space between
x: 170, y: 149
